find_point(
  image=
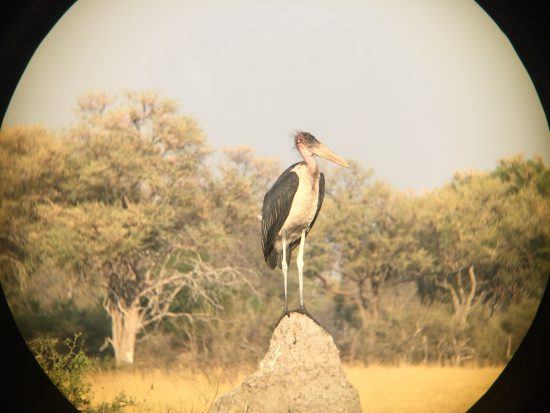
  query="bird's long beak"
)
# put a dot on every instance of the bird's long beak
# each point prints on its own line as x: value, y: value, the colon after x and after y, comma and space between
x: 324, y: 152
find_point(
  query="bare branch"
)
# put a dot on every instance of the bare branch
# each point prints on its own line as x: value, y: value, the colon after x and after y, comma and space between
x: 473, y: 285
x: 459, y: 284
x: 446, y: 286
x: 330, y: 287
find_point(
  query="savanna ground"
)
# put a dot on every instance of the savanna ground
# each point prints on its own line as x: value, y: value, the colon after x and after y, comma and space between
x: 406, y: 388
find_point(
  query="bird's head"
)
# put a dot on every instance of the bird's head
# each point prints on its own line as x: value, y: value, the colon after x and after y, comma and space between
x: 307, y: 144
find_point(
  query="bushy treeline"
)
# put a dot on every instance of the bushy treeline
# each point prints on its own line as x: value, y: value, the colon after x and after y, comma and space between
x: 124, y: 228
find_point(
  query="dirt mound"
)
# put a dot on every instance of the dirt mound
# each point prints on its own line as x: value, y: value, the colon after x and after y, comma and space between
x: 301, y: 372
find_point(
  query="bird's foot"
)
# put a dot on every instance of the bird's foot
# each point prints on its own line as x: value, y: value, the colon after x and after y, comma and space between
x: 286, y: 312
x: 302, y: 310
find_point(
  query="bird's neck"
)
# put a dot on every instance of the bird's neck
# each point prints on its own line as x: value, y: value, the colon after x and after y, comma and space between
x: 312, y: 168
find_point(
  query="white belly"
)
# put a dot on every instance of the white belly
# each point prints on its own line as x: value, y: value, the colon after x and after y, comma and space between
x: 304, y: 204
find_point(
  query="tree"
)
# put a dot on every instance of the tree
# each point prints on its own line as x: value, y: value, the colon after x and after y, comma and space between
x: 520, y: 173
x: 460, y: 232
x: 31, y: 166
x: 133, y: 196
x: 236, y: 197
x: 369, y: 226
x: 526, y: 225
x: 480, y: 234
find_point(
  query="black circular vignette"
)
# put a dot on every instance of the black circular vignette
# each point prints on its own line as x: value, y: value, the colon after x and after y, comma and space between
x: 520, y: 388
x: 28, y: 389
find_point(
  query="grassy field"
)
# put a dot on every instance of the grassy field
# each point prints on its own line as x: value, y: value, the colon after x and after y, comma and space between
x: 420, y: 388
x: 381, y: 388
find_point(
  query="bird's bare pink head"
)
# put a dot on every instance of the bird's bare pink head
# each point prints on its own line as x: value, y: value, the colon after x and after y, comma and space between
x: 307, y: 144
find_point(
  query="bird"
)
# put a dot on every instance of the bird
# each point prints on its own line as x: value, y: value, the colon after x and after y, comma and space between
x: 291, y: 207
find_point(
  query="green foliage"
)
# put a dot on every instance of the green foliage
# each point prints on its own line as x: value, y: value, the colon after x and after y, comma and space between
x: 66, y: 367
x: 31, y: 167
x: 520, y: 174
x: 131, y: 183
x: 117, y: 405
x: 64, y: 319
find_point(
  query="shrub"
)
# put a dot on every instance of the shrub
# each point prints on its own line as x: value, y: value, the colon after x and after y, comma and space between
x: 65, y: 368
x: 66, y: 365
x: 121, y: 400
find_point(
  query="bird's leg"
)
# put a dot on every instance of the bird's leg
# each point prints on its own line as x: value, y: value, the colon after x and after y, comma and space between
x: 300, y: 264
x: 284, y: 265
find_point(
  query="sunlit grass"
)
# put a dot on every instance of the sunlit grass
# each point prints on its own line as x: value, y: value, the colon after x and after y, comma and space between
x: 381, y: 388
x: 420, y: 388
x: 163, y: 391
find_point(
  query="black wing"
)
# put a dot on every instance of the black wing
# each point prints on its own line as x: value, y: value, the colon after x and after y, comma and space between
x: 319, y: 200
x: 276, y: 207
x: 319, y: 205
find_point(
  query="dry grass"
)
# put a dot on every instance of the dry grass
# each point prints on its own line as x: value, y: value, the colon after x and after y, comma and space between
x: 160, y: 391
x: 381, y: 388
x: 416, y: 389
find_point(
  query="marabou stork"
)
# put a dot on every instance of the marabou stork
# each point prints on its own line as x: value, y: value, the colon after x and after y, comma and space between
x: 291, y: 207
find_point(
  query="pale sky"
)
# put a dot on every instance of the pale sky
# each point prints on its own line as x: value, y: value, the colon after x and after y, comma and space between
x: 414, y: 89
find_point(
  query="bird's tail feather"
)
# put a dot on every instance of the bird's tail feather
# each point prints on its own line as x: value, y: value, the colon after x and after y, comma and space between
x: 272, y: 259
x: 275, y: 258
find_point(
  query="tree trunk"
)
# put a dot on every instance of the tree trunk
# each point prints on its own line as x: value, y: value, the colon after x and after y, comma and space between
x: 462, y: 303
x: 367, y: 299
x: 425, y: 348
x: 125, y: 324
x: 363, y: 313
